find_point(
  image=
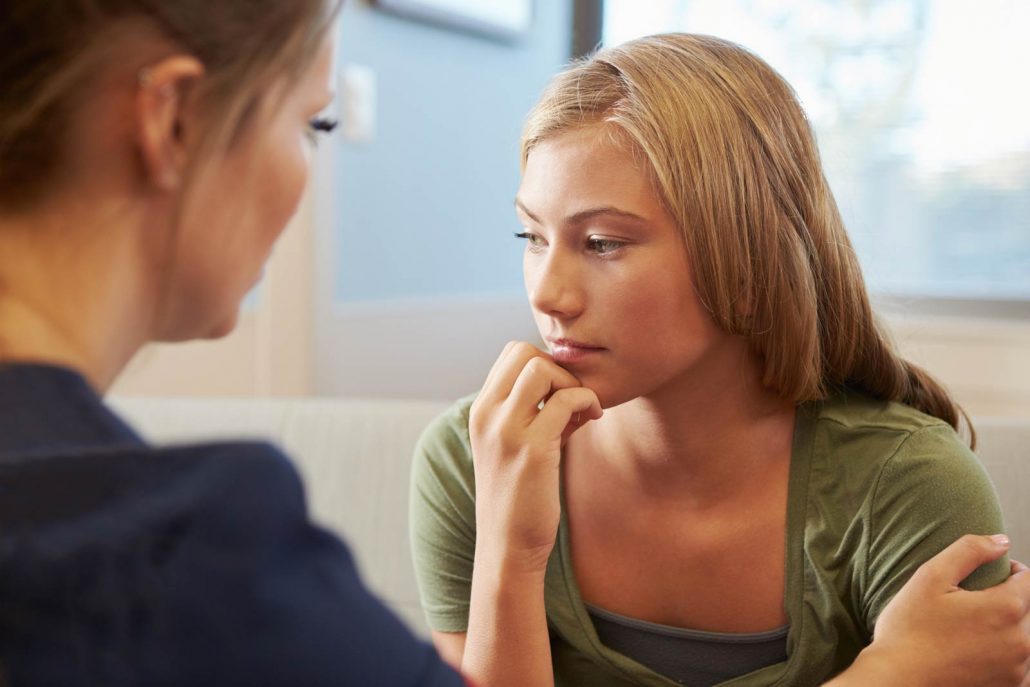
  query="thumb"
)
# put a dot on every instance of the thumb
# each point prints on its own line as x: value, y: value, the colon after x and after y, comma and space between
x: 958, y: 561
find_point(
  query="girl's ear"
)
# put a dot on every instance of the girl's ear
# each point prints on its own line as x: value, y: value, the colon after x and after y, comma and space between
x: 163, y: 116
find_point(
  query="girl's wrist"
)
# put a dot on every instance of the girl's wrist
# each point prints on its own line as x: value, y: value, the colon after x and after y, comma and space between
x: 493, y: 557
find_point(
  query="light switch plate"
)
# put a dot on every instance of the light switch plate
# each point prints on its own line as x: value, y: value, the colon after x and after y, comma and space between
x: 358, y: 103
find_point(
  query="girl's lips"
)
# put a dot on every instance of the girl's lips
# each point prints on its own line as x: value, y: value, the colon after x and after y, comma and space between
x: 570, y: 352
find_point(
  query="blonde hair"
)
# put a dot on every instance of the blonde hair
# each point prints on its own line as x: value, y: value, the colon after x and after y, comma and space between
x: 54, y: 51
x: 735, y: 162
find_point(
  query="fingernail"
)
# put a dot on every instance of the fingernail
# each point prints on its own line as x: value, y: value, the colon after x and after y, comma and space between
x: 1000, y: 539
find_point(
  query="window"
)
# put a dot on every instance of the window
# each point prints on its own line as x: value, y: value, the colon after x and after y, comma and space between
x: 923, y: 119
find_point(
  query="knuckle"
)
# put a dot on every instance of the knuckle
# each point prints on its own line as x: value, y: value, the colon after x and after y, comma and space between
x: 1018, y: 672
x: 481, y: 420
x: 1023, y: 646
x: 536, y: 365
x: 1011, y: 610
x: 523, y: 348
x: 971, y: 542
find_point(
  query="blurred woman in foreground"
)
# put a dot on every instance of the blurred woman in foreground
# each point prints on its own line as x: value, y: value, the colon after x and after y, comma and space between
x: 150, y: 155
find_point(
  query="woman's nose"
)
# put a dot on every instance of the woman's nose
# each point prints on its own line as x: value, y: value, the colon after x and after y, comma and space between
x: 554, y: 287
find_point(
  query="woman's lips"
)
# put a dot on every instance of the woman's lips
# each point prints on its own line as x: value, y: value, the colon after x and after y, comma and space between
x: 566, y: 352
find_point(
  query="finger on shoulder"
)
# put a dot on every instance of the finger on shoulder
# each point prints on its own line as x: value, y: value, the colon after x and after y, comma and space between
x: 957, y: 561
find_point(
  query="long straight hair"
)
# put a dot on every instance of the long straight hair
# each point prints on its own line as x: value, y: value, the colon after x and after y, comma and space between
x: 735, y: 162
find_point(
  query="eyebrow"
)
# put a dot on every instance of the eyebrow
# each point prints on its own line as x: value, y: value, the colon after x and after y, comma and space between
x: 585, y: 215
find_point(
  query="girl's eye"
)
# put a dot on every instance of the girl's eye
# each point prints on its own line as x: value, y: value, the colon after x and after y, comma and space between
x: 603, y: 246
x: 534, y: 240
x: 321, y: 125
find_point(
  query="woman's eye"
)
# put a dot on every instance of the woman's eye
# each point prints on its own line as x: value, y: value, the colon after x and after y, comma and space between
x: 534, y: 240
x: 321, y: 125
x: 603, y: 246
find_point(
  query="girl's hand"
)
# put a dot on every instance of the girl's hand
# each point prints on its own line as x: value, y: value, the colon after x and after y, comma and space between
x: 516, y: 449
x: 935, y: 633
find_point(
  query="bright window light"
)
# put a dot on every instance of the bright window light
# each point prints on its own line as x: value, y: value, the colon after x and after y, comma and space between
x: 922, y: 113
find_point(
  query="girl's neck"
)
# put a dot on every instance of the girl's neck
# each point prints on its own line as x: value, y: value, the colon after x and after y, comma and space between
x: 705, y: 438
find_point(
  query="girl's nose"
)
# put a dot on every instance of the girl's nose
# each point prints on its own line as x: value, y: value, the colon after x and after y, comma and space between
x: 555, y: 288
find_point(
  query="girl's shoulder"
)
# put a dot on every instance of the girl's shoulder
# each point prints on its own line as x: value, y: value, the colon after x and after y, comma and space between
x: 444, y: 450
x: 849, y: 426
x: 893, y: 486
x: 872, y: 460
x: 854, y: 410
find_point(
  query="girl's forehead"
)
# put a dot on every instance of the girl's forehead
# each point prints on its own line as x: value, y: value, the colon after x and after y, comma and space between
x: 585, y: 157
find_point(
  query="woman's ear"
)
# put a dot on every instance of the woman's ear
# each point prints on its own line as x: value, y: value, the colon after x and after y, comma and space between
x: 164, y: 113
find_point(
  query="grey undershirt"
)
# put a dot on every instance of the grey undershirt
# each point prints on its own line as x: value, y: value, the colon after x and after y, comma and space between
x: 689, y: 657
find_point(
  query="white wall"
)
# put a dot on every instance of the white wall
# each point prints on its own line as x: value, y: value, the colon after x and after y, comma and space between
x: 985, y: 362
x: 429, y: 349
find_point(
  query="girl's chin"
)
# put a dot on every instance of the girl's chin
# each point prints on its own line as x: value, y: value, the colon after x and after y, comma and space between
x: 608, y: 396
x: 612, y: 400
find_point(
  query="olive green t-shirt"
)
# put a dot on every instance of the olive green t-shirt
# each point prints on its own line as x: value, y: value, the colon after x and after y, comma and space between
x: 875, y: 489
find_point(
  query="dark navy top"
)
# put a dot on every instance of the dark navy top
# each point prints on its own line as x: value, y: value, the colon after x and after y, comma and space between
x: 125, y: 564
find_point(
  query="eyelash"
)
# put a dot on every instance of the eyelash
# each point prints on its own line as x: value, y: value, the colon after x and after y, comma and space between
x: 531, y: 238
x: 321, y: 125
x: 593, y: 243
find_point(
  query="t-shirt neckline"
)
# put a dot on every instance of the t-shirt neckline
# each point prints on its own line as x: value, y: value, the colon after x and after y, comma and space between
x: 794, y: 583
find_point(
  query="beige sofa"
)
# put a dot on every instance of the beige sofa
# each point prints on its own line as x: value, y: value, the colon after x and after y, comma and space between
x: 355, y: 456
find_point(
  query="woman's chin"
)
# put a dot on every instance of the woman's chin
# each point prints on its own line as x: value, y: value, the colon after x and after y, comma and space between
x: 224, y: 327
x: 201, y: 331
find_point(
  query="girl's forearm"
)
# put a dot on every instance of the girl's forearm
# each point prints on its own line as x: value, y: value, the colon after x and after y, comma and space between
x: 507, y: 641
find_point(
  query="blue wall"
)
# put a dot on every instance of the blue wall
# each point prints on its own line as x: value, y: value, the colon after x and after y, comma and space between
x: 426, y: 208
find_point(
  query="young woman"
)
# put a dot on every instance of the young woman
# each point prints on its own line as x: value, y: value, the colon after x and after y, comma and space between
x: 720, y: 471
x: 150, y: 154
